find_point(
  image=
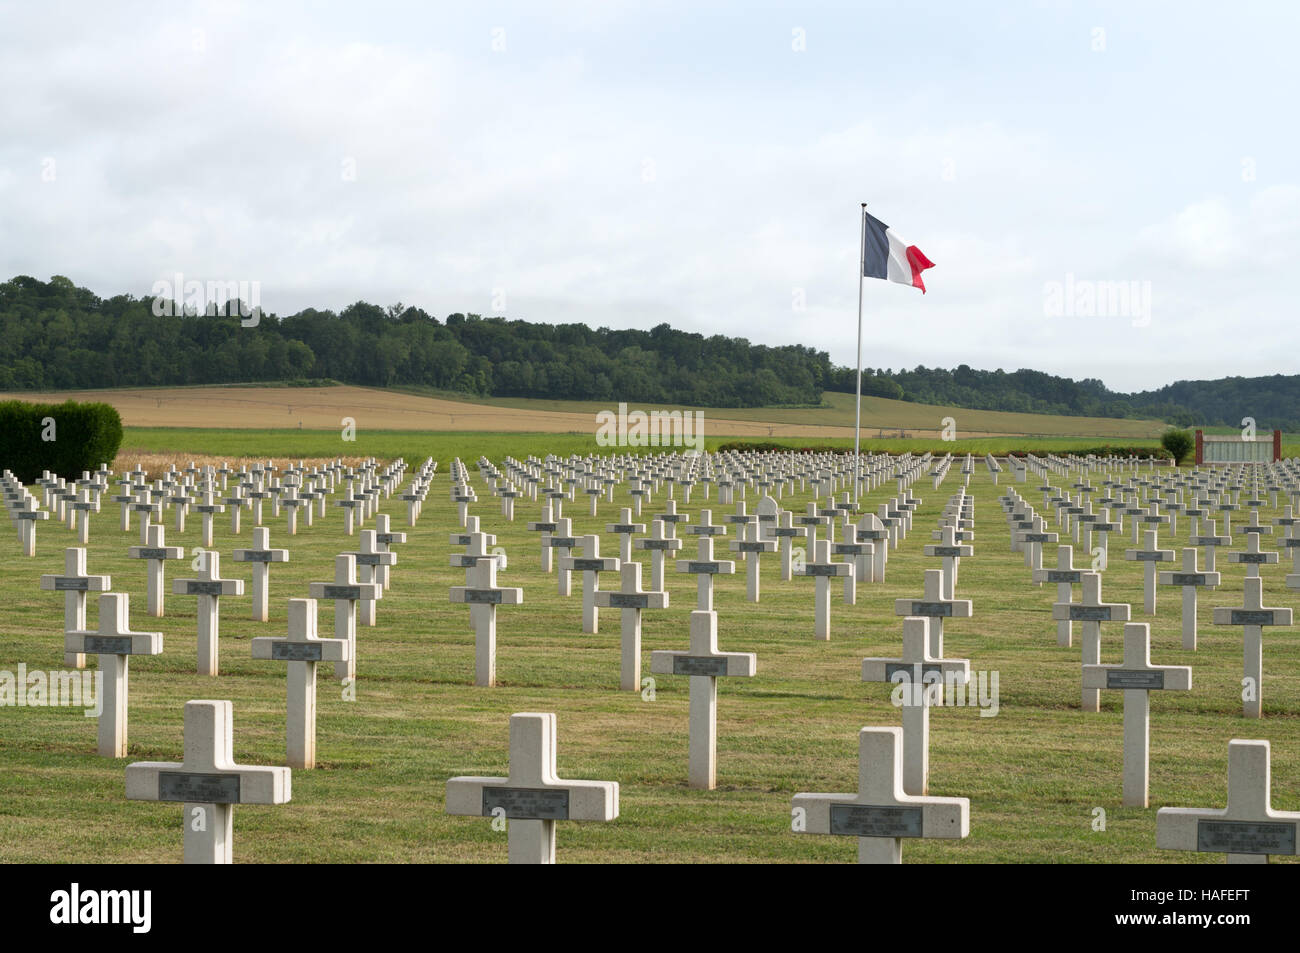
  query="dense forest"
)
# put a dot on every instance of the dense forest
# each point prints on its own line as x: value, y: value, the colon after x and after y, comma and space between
x: 54, y: 335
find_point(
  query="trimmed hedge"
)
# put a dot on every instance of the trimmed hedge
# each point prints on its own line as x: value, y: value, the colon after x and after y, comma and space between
x: 85, y: 435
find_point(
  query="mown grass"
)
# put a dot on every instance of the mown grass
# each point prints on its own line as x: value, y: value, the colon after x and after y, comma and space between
x: 470, y: 445
x: 838, y: 409
x: 1034, y: 773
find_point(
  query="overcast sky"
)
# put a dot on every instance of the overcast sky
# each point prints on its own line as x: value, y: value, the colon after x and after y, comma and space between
x: 626, y: 164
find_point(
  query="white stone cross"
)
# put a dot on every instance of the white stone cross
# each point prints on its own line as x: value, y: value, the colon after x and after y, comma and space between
x: 1065, y: 576
x: 787, y: 533
x: 237, y: 503
x: 881, y: 814
x: 482, y: 594
x: 631, y: 599
x: 1189, y: 578
x: 861, y: 553
x: 385, y: 539
x: 114, y: 643
x: 1248, y: 830
x: 28, y: 516
x: 1033, y: 539
x: 346, y: 593
x: 291, y: 502
x: 752, y: 547
x: 704, y: 567
x: 705, y: 664
x: 79, y: 511
x: 476, y: 549
x: 706, y: 526
x: 625, y: 529
x: 261, y: 556
x: 922, y: 676
x: 75, y: 583
x: 951, y: 552
x: 822, y: 569
x: 157, y: 553
x: 1211, y: 541
x: 1092, y: 612
x: 207, y: 782
x: 207, y: 510
x: 1252, y: 557
x: 591, y: 565
x: 810, y: 522
x: 1149, y: 555
x: 533, y: 797
x: 870, y: 529
x: 351, y: 511
x: 302, y: 650
x: 370, y: 557
x: 209, y: 587
x: 670, y: 518
x: 150, y: 513
x: 546, y: 526
x: 564, y: 542
x: 181, y: 501
x: 1252, y: 616
x: 934, y: 607
x: 656, y: 544
x: 1137, y: 677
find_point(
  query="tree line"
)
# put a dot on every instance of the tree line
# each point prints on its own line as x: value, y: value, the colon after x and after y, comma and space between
x: 55, y: 336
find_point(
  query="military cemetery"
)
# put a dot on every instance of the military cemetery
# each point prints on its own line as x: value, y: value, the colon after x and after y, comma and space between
x: 521, y: 434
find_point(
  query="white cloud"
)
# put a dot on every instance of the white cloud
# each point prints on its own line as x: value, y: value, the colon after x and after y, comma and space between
x: 215, y: 142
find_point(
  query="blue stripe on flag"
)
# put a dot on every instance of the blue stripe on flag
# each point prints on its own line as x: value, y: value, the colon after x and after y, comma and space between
x: 875, y: 245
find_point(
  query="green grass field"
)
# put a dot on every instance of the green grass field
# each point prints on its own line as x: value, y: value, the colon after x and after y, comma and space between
x: 469, y: 445
x: 837, y: 410
x: 1034, y: 773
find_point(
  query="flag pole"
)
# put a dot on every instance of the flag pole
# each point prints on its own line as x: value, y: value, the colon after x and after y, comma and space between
x: 857, y: 415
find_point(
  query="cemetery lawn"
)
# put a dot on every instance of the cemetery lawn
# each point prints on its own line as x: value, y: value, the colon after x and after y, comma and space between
x: 1035, y: 773
x: 180, y: 445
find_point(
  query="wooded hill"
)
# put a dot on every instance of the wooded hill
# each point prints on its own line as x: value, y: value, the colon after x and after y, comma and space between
x: 58, y: 336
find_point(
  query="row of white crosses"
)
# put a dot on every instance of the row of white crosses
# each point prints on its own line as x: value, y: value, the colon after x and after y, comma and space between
x: 1136, y: 675
x: 892, y: 802
x: 208, y: 782
x: 550, y: 776
x: 115, y: 642
x: 1252, y: 614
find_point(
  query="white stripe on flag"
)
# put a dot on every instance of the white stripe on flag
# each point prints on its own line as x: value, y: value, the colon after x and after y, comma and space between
x: 900, y: 270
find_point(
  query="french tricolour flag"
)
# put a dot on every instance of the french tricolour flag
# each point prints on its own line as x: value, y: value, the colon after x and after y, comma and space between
x: 885, y: 255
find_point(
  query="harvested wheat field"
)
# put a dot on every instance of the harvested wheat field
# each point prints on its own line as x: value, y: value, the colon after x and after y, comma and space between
x: 324, y: 408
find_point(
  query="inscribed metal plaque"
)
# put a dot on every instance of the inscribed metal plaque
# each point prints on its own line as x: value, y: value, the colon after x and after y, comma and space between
x: 1120, y: 678
x: 1251, y: 617
x: 527, y: 803
x: 340, y: 592
x: 108, y: 645
x: 868, y: 820
x: 1090, y: 613
x: 198, y: 788
x: 1245, y: 837
x: 698, y: 665
x: 284, y: 651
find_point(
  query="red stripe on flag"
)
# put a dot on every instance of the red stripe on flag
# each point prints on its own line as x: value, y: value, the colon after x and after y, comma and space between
x: 916, y: 258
